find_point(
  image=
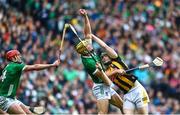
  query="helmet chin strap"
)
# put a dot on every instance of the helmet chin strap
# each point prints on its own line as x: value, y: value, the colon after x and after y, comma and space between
x: 107, y: 63
x: 15, y: 59
x: 92, y: 51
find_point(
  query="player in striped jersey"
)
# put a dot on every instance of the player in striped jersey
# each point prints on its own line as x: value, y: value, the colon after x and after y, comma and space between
x: 135, y: 96
x: 101, y: 90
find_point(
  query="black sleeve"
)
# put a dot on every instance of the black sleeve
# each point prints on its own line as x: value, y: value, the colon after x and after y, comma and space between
x: 119, y: 60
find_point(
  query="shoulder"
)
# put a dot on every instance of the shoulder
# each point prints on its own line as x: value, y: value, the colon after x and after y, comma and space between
x: 118, y: 59
x: 17, y: 66
x: 13, y: 64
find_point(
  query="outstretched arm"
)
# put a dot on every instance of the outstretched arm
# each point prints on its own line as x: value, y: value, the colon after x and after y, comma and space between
x: 115, y: 72
x: 40, y: 66
x: 103, y: 77
x: 87, y: 26
x: 110, y: 51
x: 100, y: 73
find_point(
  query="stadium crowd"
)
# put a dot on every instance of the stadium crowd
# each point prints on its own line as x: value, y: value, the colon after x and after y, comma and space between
x: 138, y: 30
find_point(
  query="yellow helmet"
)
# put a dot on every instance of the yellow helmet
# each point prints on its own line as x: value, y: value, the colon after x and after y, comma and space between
x: 81, y: 46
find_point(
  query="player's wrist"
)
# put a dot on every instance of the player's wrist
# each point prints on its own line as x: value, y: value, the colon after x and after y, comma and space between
x: 113, y: 86
x: 85, y: 15
x: 53, y: 65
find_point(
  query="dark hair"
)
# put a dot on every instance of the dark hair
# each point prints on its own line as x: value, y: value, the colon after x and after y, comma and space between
x: 103, y: 54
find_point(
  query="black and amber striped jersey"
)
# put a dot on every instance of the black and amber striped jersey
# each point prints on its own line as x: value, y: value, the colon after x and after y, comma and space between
x: 124, y: 82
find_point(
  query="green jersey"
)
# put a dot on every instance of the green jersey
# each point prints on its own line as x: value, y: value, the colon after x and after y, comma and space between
x: 10, y: 78
x: 90, y: 67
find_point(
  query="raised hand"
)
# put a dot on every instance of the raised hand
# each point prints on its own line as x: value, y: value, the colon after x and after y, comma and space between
x: 98, y: 65
x: 57, y: 63
x: 83, y: 12
x: 120, y: 71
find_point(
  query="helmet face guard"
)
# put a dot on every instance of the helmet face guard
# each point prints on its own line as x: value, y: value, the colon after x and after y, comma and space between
x: 105, y: 54
x: 81, y: 47
x: 11, y: 54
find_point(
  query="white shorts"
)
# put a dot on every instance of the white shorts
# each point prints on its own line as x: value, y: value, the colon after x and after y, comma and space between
x: 5, y: 103
x: 102, y: 91
x: 136, y: 98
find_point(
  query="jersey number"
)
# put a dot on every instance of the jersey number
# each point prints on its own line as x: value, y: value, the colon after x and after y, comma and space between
x: 4, y: 75
x: 11, y: 85
x: 10, y: 89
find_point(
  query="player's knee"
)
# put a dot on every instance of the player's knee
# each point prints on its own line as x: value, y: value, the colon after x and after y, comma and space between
x: 102, y: 112
x: 15, y: 111
x: 128, y: 111
x: 25, y: 109
x: 143, y: 110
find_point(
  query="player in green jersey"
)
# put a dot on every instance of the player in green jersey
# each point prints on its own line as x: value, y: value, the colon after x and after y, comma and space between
x: 10, y: 79
x: 101, y: 90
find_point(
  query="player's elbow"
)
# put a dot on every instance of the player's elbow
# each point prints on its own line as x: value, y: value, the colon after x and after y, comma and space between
x: 112, y: 53
x: 31, y: 67
x: 88, y: 36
